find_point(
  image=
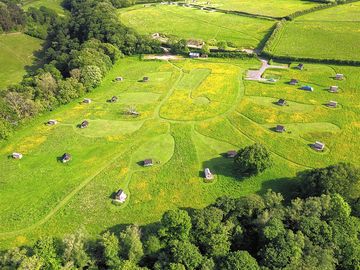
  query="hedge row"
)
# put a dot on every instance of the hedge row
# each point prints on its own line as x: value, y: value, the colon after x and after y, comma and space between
x: 296, y: 14
x: 241, y: 55
x: 274, y: 35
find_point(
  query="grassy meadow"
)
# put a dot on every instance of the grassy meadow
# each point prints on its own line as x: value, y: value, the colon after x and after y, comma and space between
x: 327, y: 34
x: 191, y: 112
x: 273, y: 8
x: 190, y: 23
x: 52, y: 4
x: 15, y: 57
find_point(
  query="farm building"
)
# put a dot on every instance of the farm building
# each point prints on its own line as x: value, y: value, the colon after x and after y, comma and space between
x: 113, y: 99
x: 147, y: 162
x: 194, y: 55
x: 52, y: 122
x: 145, y: 79
x: 231, y: 154
x: 293, y: 82
x: 280, y: 128
x: 307, y: 88
x: 339, y: 76
x: 119, y: 79
x: 332, y: 104
x: 84, y: 124
x: 334, y: 89
x: 281, y: 102
x: 17, y: 155
x: 300, y: 66
x: 87, y: 100
x: 318, y: 146
x: 208, y: 174
x: 120, y: 196
x: 195, y: 44
x: 65, y: 158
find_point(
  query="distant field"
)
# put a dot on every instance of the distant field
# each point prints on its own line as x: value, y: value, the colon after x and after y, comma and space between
x: 191, y: 112
x: 274, y: 8
x: 16, y: 52
x: 52, y: 4
x: 328, y: 34
x: 192, y: 23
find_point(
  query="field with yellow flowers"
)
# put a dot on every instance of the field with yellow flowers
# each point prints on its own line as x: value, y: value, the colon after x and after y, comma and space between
x: 188, y: 114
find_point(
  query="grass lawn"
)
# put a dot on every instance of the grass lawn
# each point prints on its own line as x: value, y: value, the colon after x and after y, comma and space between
x: 327, y: 34
x: 52, y: 4
x: 191, y: 112
x: 274, y: 8
x: 189, y: 23
x: 16, y: 53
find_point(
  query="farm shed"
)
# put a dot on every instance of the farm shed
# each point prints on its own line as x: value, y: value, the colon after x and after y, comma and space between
x: 84, y: 124
x: 281, y: 102
x: 147, y: 162
x: 87, y: 100
x: 208, y: 174
x: 318, y: 146
x: 52, y: 122
x: 231, y: 154
x: 332, y: 104
x: 339, y: 76
x: 334, y: 89
x: 65, y: 158
x: 17, y: 155
x: 300, y: 66
x: 120, y: 196
x: 293, y: 82
x: 280, y: 128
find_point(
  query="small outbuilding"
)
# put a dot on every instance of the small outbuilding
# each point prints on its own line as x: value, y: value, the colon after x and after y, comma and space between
x: 293, y: 82
x: 307, y: 88
x: 332, y: 104
x: 87, y: 100
x: 318, y: 146
x: 300, y: 66
x: 17, y: 155
x: 281, y: 102
x: 280, y: 129
x: 334, y: 89
x: 208, y: 174
x: 145, y: 79
x: 113, y: 99
x: 147, y: 162
x: 120, y: 196
x: 119, y: 79
x: 65, y: 157
x: 231, y: 154
x: 339, y: 76
x: 84, y: 124
x: 52, y: 122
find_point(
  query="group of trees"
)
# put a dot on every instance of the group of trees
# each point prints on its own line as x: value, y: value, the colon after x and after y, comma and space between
x: 79, y: 50
x: 12, y: 17
x: 317, y: 231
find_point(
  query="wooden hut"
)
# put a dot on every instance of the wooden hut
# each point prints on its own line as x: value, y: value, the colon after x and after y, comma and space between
x: 119, y: 79
x: 300, y: 66
x: 65, y: 158
x: 84, y: 124
x: 231, y: 154
x: 147, y: 162
x: 208, y: 174
x: 145, y: 79
x: 281, y: 102
x: 120, y: 196
x: 318, y: 146
x: 17, y: 155
x: 52, y: 122
x: 332, y: 104
x: 87, y: 100
x: 293, y: 82
x: 280, y: 129
x: 339, y: 76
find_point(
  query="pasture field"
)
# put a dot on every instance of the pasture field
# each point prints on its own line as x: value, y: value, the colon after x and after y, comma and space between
x: 327, y: 34
x: 190, y: 23
x: 273, y: 8
x: 15, y: 56
x: 52, y: 4
x: 191, y: 112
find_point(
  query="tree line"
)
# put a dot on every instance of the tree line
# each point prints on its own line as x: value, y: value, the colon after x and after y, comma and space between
x: 318, y: 229
x: 79, y: 50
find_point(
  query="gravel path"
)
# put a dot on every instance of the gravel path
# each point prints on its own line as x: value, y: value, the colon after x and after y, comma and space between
x: 256, y: 75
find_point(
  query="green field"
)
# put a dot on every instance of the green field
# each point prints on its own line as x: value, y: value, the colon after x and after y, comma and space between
x: 189, y: 23
x: 52, y: 4
x: 16, y: 56
x: 327, y: 34
x: 273, y: 8
x: 191, y: 111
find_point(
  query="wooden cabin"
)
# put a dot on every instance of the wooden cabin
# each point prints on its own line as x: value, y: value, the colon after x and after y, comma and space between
x: 318, y: 146
x: 120, y: 196
x: 332, y: 104
x: 334, y: 89
x: 281, y: 102
x: 65, y: 158
x: 87, y: 100
x: 147, y: 162
x: 280, y: 129
x: 52, y: 122
x: 208, y: 174
x: 17, y: 155
x: 84, y: 124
